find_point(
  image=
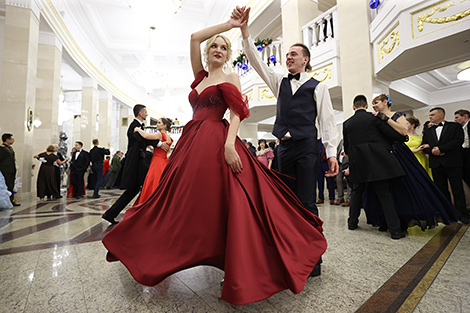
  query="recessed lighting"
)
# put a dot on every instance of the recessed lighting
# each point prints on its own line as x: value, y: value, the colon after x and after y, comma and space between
x: 464, y: 74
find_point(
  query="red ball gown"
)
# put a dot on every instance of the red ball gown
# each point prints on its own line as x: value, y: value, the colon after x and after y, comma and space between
x: 249, y: 225
x: 157, y: 165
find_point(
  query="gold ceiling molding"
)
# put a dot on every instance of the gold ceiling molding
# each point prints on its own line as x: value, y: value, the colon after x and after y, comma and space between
x: 264, y: 93
x: 55, y: 21
x: 391, y: 35
x: 324, y: 70
x: 436, y: 7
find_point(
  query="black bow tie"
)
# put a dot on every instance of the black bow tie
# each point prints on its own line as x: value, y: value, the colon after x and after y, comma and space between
x: 440, y: 124
x: 296, y: 76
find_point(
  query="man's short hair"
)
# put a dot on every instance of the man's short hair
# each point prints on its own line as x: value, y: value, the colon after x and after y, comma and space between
x: 306, y: 53
x: 463, y: 112
x: 360, y: 101
x: 441, y: 110
x: 138, y: 108
x: 95, y: 141
x: 6, y: 136
x: 80, y: 143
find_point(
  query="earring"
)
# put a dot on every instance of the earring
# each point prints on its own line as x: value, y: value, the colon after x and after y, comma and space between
x: 303, y: 63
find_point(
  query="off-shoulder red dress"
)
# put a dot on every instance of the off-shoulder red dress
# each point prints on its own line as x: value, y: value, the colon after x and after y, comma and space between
x: 250, y: 224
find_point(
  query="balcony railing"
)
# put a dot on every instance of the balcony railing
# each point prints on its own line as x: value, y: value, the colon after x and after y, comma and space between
x: 272, y: 55
x: 321, y: 30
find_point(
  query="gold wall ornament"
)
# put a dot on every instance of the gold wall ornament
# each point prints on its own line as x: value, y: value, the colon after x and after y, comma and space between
x: 324, y: 70
x: 425, y: 18
x: 249, y: 95
x: 265, y: 93
x: 391, y: 35
x: 29, y: 119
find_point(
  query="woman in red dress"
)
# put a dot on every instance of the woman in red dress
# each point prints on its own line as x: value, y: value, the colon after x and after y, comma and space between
x: 216, y: 204
x: 159, y: 159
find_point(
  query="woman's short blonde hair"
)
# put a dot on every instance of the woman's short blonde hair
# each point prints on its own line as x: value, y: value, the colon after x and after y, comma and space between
x: 211, y: 40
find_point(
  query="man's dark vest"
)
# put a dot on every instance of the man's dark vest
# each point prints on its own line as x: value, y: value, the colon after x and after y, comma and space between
x: 296, y: 113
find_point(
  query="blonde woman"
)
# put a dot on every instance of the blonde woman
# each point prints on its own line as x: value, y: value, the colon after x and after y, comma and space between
x: 215, y: 204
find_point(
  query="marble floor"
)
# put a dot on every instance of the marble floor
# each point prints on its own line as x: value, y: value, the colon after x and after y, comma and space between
x: 52, y: 260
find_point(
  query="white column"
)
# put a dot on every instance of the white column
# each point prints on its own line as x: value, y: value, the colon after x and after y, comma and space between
x: 355, y: 52
x: 89, y: 112
x: 295, y: 14
x: 104, y: 118
x: 18, y: 90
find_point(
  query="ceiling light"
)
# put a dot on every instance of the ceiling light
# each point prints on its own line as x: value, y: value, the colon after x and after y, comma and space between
x: 464, y: 74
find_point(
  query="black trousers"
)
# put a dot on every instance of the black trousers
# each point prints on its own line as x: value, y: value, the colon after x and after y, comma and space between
x: 466, y: 165
x: 122, y: 202
x: 300, y: 159
x: 97, y: 169
x: 454, y: 175
x: 57, y: 178
x: 382, y: 189
x: 76, y: 178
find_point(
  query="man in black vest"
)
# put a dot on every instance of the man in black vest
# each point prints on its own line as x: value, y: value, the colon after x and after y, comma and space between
x: 300, y: 100
x: 368, y: 143
x: 97, y: 154
x: 79, y: 164
x: 136, y: 164
x: 443, y: 143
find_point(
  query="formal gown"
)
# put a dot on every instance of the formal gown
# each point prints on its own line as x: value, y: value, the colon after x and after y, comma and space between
x: 157, y: 165
x: 249, y: 224
x: 46, y: 183
x: 264, y: 156
x: 414, y: 142
x: 417, y: 198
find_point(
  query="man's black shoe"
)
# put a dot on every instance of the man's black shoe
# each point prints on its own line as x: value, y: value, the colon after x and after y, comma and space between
x: 352, y: 227
x: 399, y: 235
x: 96, y: 196
x: 109, y: 219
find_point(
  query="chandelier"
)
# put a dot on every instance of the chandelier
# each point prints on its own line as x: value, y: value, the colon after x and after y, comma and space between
x: 148, y: 75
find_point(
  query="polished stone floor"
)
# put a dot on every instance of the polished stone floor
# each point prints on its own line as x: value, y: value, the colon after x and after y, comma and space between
x: 52, y: 260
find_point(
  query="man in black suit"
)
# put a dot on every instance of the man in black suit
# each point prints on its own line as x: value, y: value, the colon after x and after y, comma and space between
x: 97, y: 154
x: 79, y: 164
x: 443, y: 143
x: 136, y: 165
x: 367, y: 142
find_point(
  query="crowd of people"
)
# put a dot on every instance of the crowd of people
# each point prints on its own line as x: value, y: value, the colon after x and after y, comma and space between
x: 252, y: 211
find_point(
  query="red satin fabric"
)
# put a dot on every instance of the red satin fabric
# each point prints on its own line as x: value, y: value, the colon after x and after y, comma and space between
x: 158, y: 163
x: 250, y: 225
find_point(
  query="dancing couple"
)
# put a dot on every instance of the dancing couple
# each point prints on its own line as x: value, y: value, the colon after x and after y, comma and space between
x: 216, y: 204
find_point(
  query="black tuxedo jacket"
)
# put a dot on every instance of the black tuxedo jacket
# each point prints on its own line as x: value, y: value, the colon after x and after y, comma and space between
x: 81, y: 163
x: 136, y: 165
x: 450, y: 143
x: 368, y: 143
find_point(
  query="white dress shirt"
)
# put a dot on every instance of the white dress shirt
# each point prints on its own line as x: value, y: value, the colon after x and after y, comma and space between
x: 439, y: 130
x: 325, y: 115
x: 466, y: 140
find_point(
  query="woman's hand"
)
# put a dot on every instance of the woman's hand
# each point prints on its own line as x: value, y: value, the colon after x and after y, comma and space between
x: 239, y: 16
x: 136, y: 129
x: 233, y: 159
